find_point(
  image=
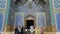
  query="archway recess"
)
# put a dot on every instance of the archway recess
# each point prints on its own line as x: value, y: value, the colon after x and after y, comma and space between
x: 30, y: 20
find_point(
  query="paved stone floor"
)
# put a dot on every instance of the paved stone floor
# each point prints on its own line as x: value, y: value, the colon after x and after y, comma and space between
x: 7, y: 33
x: 30, y: 33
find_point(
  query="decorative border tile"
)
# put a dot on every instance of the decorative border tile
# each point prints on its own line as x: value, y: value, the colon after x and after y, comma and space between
x: 43, y: 14
x: 3, y: 4
x: 19, y: 13
x: 56, y: 4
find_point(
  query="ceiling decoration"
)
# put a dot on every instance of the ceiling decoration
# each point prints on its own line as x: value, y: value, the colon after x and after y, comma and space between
x: 21, y: 2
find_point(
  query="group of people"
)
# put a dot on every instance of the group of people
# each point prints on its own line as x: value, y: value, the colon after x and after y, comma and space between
x: 19, y: 30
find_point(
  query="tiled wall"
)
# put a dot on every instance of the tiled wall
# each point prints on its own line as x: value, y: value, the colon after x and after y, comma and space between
x: 4, y: 9
x: 55, y: 12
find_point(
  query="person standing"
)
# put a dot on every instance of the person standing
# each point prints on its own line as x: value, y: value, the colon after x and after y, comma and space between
x: 22, y: 30
x: 19, y: 30
x: 41, y: 30
x: 16, y: 30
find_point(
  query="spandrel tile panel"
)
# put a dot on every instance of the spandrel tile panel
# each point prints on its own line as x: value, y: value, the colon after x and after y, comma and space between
x: 41, y: 22
x: 18, y: 20
x: 58, y: 21
x: 1, y: 21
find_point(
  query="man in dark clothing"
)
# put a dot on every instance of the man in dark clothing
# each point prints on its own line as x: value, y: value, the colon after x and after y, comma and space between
x: 16, y: 31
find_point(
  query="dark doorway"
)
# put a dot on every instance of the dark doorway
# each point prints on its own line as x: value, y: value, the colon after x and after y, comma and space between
x: 29, y: 23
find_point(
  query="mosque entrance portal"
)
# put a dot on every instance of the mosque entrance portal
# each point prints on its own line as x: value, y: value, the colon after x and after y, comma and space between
x: 29, y: 21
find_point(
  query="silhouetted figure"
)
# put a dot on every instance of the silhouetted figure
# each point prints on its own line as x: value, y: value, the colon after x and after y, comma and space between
x: 16, y: 31
x: 22, y: 30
